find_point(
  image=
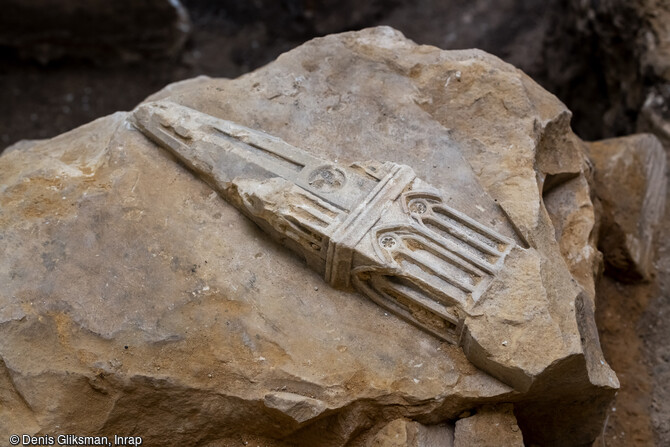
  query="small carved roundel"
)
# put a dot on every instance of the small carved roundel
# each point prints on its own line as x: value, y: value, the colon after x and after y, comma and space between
x: 418, y: 206
x: 388, y: 242
x: 327, y: 178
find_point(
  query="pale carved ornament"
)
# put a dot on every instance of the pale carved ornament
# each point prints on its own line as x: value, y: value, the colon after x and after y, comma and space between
x: 371, y: 226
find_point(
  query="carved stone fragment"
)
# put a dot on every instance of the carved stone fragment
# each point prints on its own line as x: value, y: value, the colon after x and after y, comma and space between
x: 374, y: 227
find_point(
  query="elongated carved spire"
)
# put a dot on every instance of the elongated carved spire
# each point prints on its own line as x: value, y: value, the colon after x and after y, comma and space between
x: 371, y: 226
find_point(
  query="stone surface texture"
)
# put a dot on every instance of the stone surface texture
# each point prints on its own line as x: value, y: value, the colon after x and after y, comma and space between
x: 134, y: 298
x: 98, y: 30
x: 630, y: 176
x: 490, y: 427
x: 406, y: 433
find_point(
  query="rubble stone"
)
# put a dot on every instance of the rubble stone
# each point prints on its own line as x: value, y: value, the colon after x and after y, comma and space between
x: 630, y: 182
x: 490, y: 427
x: 404, y: 433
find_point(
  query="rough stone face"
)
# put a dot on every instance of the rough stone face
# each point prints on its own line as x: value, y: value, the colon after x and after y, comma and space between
x: 405, y: 433
x: 99, y: 30
x: 146, y: 300
x: 631, y: 185
x: 490, y: 427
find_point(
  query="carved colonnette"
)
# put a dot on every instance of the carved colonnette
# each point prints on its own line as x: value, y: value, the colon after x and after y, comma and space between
x: 374, y: 227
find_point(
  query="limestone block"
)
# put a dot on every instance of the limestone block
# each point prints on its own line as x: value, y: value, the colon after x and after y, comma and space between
x: 139, y: 293
x: 490, y: 427
x: 630, y: 175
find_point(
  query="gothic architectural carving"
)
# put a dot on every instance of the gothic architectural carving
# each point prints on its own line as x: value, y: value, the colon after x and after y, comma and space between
x: 374, y: 227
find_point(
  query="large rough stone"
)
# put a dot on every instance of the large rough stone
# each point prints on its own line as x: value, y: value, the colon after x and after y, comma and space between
x: 123, y: 30
x: 631, y: 185
x: 145, y: 300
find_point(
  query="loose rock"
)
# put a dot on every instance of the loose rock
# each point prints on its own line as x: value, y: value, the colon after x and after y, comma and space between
x: 630, y: 182
x: 404, y: 433
x: 490, y: 427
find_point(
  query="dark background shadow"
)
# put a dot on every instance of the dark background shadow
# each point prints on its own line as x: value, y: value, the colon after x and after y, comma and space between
x: 63, y: 66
